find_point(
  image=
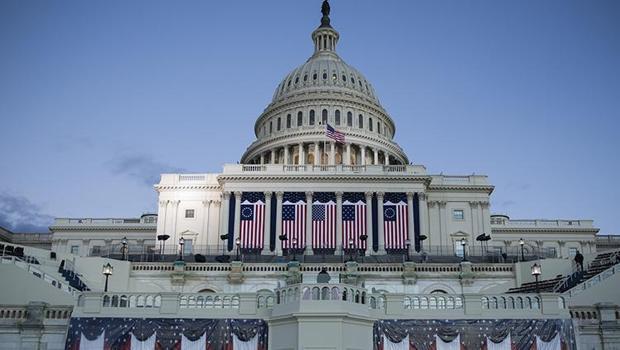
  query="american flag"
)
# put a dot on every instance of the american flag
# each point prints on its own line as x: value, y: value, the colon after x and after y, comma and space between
x: 252, y: 223
x: 395, y: 220
x: 334, y: 134
x: 294, y: 219
x: 354, y: 220
x: 324, y: 220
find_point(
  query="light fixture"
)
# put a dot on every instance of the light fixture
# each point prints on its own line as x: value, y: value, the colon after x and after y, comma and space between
x: 107, y: 271
x: 536, y: 271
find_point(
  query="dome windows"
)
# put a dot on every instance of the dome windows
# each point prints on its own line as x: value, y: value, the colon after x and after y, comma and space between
x: 337, y: 117
x: 370, y: 124
x: 279, y: 124
x: 305, y: 77
x: 296, y: 80
x: 352, y: 80
x: 289, y: 83
x: 288, y: 121
x: 360, y: 121
x: 334, y: 77
x: 344, y: 78
x: 324, y: 76
x: 270, y: 126
x: 379, y: 127
x: 349, y: 119
x: 314, y: 76
x: 311, y: 117
x: 300, y: 118
x: 324, y: 116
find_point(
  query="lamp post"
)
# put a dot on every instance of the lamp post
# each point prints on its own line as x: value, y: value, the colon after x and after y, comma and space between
x: 238, y: 244
x: 522, y: 243
x: 162, y: 244
x: 181, y: 244
x: 408, y: 245
x: 107, y: 272
x: 463, y: 244
x: 536, y: 271
x: 294, y: 247
x: 124, y: 248
x: 351, y: 245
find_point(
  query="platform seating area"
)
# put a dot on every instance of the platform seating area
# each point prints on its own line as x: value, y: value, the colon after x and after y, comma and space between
x: 561, y: 283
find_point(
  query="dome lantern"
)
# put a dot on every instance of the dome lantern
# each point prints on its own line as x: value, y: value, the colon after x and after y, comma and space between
x: 325, y: 37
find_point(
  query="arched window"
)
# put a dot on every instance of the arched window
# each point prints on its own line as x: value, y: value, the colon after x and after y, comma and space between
x: 360, y: 121
x: 349, y: 119
x: 306, y: 77
x: 271, y: 126
x: 344, y: 78
x: 324, y: 76
x: 288, y: 121
x: 296, y: 80
x: 337, y: 117
x: 370, y: 124
x: 289, y: 83
x: 378, y: 127
x: 279, y: 123
x: 314, y: 76
x: 300, y: 118
x: 352, y: 80
x: 324, y: 116
x: 311, y: 121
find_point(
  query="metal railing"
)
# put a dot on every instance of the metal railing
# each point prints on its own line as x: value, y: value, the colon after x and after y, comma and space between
x: 53, y: 281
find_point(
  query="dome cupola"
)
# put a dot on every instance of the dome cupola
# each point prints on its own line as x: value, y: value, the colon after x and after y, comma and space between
x: 323, y: 91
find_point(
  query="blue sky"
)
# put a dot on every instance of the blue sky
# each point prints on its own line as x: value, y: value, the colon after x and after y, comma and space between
x: 99, y: 97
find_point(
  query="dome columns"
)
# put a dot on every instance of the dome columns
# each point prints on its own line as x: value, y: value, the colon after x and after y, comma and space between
x: 325, y: 153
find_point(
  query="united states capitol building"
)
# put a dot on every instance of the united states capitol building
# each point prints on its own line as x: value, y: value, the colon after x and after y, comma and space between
x: 325, y: 235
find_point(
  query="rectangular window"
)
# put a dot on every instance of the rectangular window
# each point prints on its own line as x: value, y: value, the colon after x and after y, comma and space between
x: 75, y: 249
x: 459, y: 249
x: 458, y: 214
x: 572, y: 252
x: 189, y: 213
x: 187, y: 247
x: 288, y: 121
x: 299, y: 119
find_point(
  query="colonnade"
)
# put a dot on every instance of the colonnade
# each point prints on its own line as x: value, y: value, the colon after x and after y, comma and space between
x: 329, y: 153
x: 309, y: 244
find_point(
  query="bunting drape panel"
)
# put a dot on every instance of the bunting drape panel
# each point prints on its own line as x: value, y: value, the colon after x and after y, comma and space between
x: 402, y: 345
x: 454, y: 344
x: 199, y: 344
x: 553, y: 344
x: 474, y: 333
x: 167, y: 333
x: 147, y: 344
x: 503, y: 345
x: 96, y: 344
x: 238, y: 344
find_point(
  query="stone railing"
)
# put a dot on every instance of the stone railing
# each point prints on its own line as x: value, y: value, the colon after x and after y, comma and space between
x: 473, y: 305
x: 53, y: 281
x: 321, y: 291
x: 593, y: 281
x: 168, y: 304
x: 544, y: 223
x: 276, y: 169
x: 48, y: 312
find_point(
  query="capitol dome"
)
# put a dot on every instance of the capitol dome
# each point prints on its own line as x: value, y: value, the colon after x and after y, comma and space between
x: 323, y: 91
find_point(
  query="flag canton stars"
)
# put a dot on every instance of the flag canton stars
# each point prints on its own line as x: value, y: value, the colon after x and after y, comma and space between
x: 354, y: 223
x: 294, y: 219
x: 334, y: 134
x: 395, y: 220
x: 252, y: 197
x: 252, y: 225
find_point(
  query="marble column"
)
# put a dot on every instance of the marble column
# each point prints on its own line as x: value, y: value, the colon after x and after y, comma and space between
x: 273, y: 156
x: 224, y: 218
x: 302, y: 155
x: 204, y: 237
x: 161, y: 220
x: 279, y: 196
x: 473, y: 206
x: 423, y: 218
x: 410, y: 223
x: 339, y: 220
x: 262, y: 158
x: 363, y: 155
x: 317, y: 154
x: 347, y: 160
x: 376, y: 156
x: 286, y: 162
x: 386, y: 160
x: 370, y: 239
x: 237, y: 215
x: 309, y: 239
x: 267, y: 228
x: 381, y: 237
x: 443, y: 221
x: 175, y: 214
